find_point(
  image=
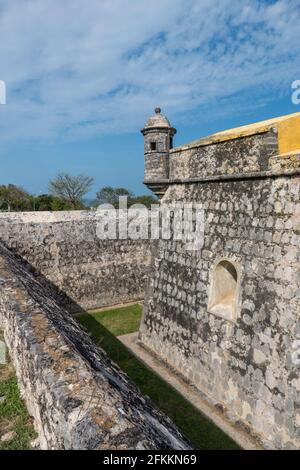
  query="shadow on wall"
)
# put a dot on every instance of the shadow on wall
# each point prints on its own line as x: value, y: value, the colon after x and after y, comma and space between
x: 60, y: 296
x: 60, y: 368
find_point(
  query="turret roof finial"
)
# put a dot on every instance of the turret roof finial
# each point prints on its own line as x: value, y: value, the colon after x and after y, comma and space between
x: 158, y: 121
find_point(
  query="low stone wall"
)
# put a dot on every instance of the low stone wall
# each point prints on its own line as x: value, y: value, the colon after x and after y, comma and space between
x: 64, y: 247
x: 79, y: 399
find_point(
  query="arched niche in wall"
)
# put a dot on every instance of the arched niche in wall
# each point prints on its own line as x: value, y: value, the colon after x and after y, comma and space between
x: 224, y: 290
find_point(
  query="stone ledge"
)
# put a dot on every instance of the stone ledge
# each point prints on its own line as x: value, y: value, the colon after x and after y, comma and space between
x: 282, y: 172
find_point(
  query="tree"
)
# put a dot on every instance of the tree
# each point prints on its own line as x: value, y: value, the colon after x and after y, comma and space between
x: 14, y: 198
x: 42, y: 202
x: 48, y: 202
x: 146, y: 200
x: 109, y: 195
x: 71, y: 188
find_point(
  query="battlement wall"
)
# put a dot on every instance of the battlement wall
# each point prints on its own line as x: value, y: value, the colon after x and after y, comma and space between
x: 245, y: 155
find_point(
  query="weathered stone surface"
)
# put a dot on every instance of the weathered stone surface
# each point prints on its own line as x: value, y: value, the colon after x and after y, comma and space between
x: 246, y: 364
x: 79, y: 399
x: 158, y: 138
x: 64, y: 247
x: 247, y: 155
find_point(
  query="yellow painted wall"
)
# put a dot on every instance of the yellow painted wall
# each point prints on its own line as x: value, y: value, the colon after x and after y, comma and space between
x: 289, y: 134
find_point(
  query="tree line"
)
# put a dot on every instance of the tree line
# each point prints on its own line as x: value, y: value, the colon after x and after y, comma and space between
x: 66, y: 192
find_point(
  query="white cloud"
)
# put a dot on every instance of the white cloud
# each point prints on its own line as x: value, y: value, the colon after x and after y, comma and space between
x: 78, y: 68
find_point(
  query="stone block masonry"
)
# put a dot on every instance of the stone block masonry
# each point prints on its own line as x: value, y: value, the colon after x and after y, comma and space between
x: 246, y: 364
x: 79, y: 399
x: 64, y: 247
x: 227, y: 317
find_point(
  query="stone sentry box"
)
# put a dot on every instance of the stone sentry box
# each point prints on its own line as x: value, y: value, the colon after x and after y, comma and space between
x: 158, y: 141
x: 228, y: 317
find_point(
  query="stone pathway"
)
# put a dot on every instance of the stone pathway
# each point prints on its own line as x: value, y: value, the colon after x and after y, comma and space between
x: 242, y: 438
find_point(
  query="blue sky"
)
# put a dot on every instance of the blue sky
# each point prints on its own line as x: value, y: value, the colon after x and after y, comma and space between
x: 82, y: 78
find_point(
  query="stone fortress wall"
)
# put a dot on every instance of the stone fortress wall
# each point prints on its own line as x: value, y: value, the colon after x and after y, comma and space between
x: 244, y: 365
x: 65, y: 248
x: 52, y: 265
x: 78, y: 398
x: 227, y: 317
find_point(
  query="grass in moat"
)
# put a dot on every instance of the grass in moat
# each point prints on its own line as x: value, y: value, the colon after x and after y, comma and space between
x: 120, y: 321
x: 104, y: 326
x: 16, y: 429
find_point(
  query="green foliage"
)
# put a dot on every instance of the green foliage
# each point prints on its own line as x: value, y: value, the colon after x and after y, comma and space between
x: 145, y: 200
x: 66, y: 193
x: 47, y: 202
x: 195, y: 426
x: 14, y: 416
x: 110, y: 195
x: 14, y: 198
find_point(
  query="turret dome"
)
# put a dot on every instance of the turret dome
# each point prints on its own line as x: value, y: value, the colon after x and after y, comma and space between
x: 157, y: 121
